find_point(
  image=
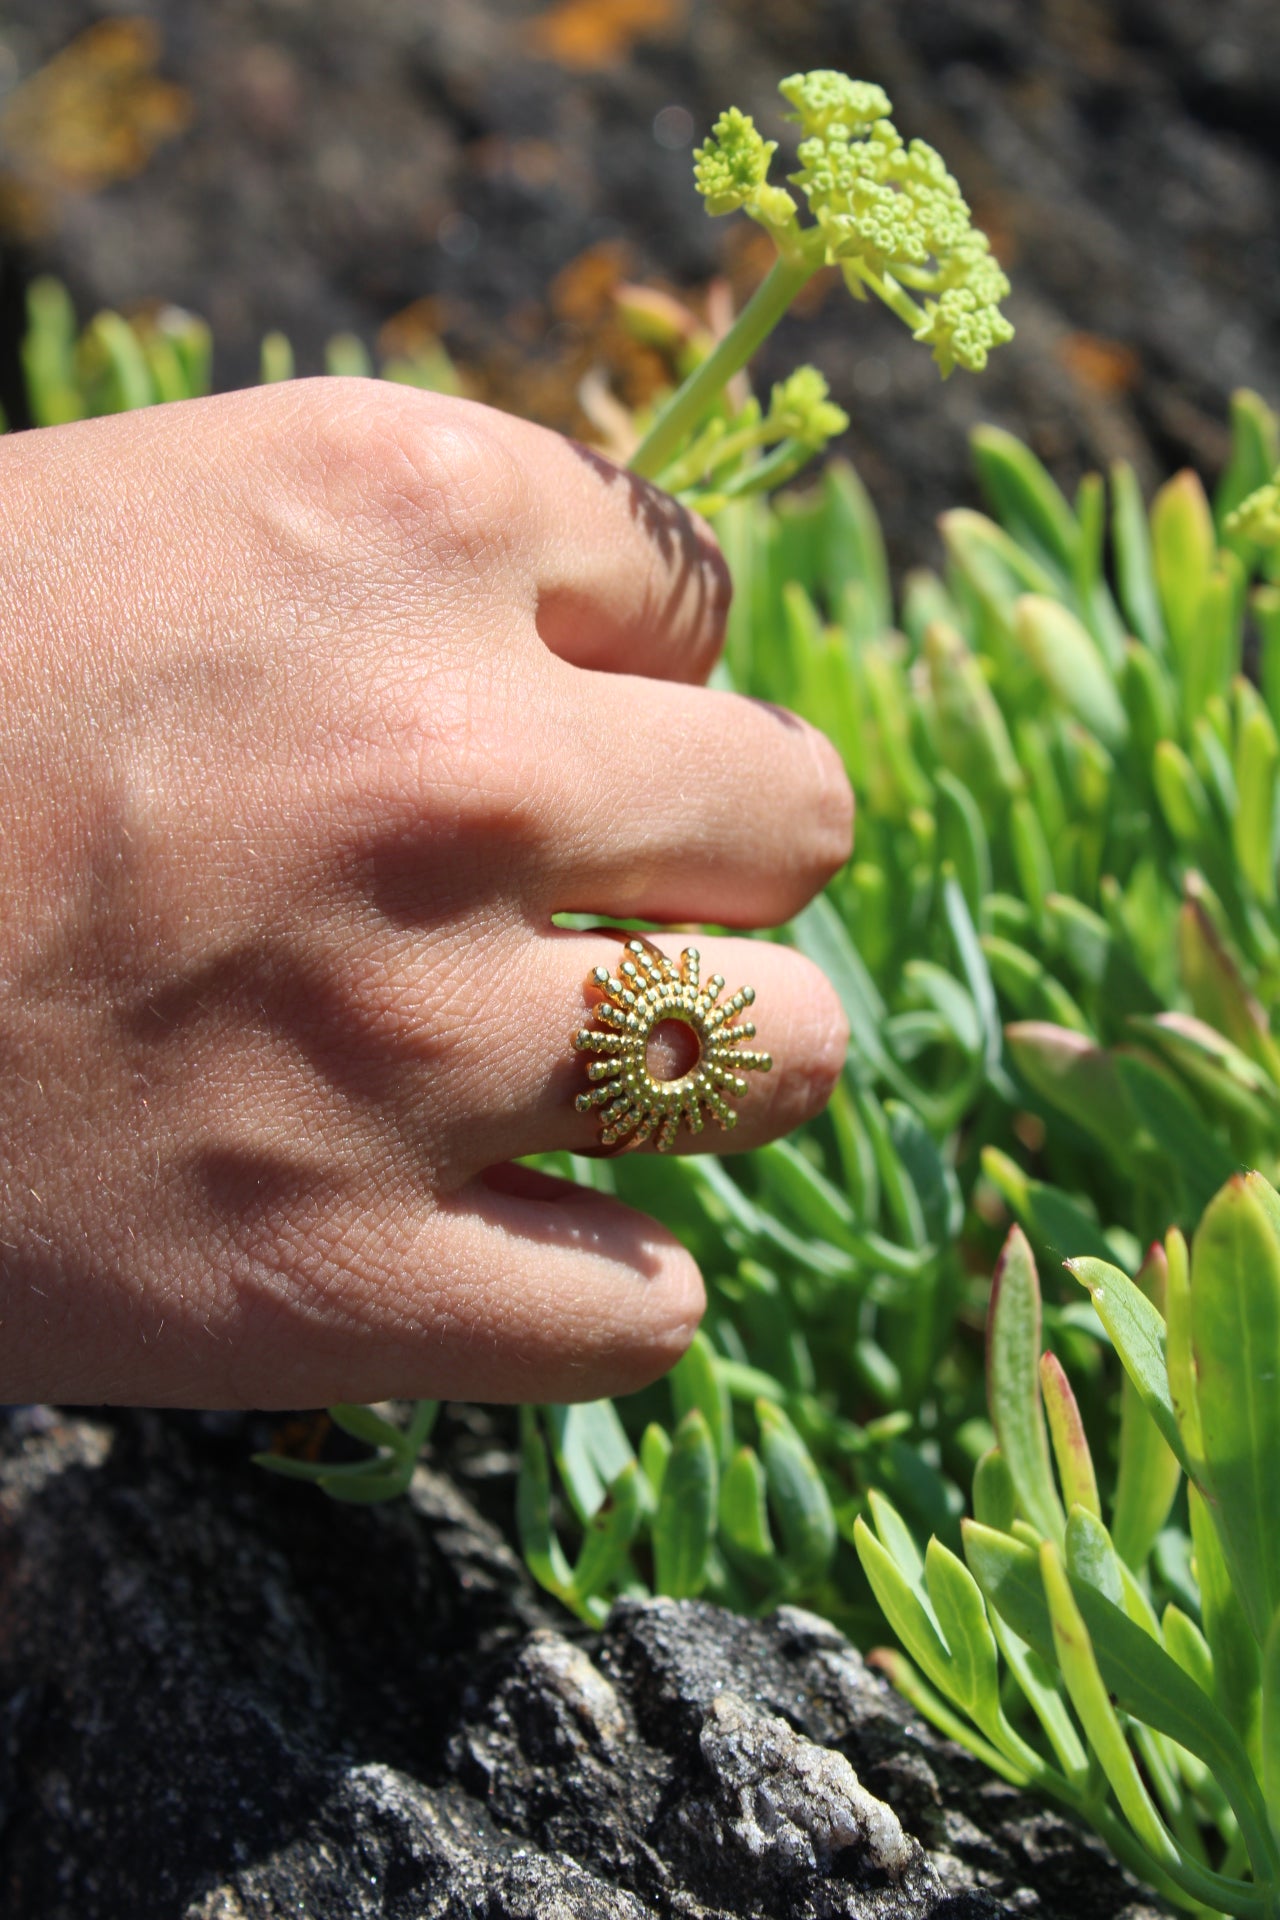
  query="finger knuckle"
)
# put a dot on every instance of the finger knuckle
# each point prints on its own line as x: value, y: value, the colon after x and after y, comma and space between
x: 430, y: 467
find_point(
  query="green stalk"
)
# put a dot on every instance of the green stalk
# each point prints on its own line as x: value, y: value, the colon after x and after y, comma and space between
x: 689, y: 406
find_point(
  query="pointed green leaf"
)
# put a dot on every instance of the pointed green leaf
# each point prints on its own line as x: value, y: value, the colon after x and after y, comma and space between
x: 950, y: 999
x: 362, y: 1423
x: 930, y: 1173
x: 977, y: 978
x: 1237, y: 1675
x: 744, y: 1515
x: 1076, y: 1658
x: 129, y: 384
x: 1235, y: 1340
x: 1265, y: 604
x: 48, y: 355
x: 1033, y: 990
x: 542, y: 1551
x: 900, y: 1196
x: 684, y: 1526
x: 1149, y: 700
x: 861, y: 1179
x: 590, y: 1447
x: 899, y: 1542
x: 602, y: 1557
x: 1081, y: 1079
x: 1253, y: 830
x: 1178, y: 1357
x: 1187, y: 1645
x: 903, y: 1609
x: 1135, y: 565
x: 1025, y: 498
x: 972, y: 737
x: 1032, y: 858
x: 994, y: 1496
x: 368, y: 1489
x: 1184, y: 545
x: 1070, y: 1447
x: 816, y: 1203
x: 1090, y: 1556
x: 1008, y: 1572
x: 851, y: 546
x: 1013, y: 1388
x: 1067, y: 659
x: 275, y: 359
x: 1169, y: 1125
x: 1216, y: 1067
x: 1102, y: 961
x: 1215, y: 655
x: 884, y: 675
x: 962, y: 838
x: 289, y: 1467
x: 822, y: 937
x: 1147, y: 1473
x: 1270, y: 1721
x: 655, y: 1451
x: 1211, y: 975
x: 1137, y: 1331
x: 994, y: 570
x: 695, y: 1382
x: 961, y: 1612
x: 1183, y: 800
x: 799, y: 1500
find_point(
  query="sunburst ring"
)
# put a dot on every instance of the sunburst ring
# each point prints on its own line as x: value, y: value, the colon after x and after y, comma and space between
x: 646, y: 990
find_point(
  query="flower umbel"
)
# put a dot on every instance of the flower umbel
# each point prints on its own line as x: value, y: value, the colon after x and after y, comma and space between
x: 885, y: 211
x: 647, y: 990
x: 893, y: 219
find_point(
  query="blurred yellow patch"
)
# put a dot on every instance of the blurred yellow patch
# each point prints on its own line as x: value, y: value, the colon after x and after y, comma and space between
x: 94, y: 114
x: 597, y: 33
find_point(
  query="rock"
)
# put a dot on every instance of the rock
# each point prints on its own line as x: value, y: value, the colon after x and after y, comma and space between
x: 793, y: 1805
x: 223, y: 1698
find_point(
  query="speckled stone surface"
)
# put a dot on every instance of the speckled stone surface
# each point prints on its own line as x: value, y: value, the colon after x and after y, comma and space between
x: 222, y: 1698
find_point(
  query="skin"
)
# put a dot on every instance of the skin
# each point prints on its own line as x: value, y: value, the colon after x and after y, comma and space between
x: 317, y: 702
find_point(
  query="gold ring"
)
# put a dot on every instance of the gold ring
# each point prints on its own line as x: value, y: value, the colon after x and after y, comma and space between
x: 647, y: 989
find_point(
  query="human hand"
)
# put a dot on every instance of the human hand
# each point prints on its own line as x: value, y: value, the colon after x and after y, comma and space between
x: 318, y: 701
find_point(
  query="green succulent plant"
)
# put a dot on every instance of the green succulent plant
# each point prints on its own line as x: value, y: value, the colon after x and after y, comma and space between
x: 1150, y: 1705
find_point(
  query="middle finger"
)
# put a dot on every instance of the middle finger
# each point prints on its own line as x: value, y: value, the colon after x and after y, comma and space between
x: 678, y: 803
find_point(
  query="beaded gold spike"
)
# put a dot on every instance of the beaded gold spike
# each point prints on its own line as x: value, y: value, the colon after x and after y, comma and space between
x: 646, y: 990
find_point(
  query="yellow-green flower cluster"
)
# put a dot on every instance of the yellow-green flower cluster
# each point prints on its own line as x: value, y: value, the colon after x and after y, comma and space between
x: 1257, y: 518
x: 894, y: 220
x: 885, y: 211
x: 733, y: 164
x: 800, y: 409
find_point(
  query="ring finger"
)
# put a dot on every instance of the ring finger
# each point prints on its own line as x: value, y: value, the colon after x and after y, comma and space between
x: 681, y: 1072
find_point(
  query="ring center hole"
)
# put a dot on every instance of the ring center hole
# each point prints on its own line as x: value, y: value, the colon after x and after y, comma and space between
x: 673, y: 1050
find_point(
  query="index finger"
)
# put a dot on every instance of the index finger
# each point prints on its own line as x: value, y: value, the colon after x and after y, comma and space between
x: 626, y: 579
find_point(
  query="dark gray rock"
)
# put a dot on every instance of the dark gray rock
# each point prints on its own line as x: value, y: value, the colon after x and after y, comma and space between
x: 222, y: 1698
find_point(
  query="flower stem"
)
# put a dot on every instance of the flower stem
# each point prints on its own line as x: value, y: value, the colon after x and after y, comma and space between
x: 689, y: 406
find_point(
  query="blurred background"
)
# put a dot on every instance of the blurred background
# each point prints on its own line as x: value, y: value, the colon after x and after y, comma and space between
x: 486, y: 172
